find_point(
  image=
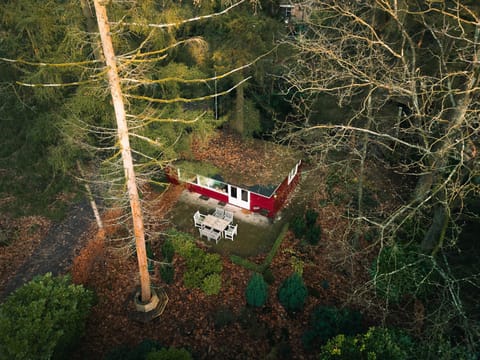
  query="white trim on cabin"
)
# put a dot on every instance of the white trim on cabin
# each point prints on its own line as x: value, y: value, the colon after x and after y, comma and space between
x: 293, y: 173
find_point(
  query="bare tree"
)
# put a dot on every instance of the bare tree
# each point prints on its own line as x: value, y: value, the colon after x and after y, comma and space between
x: 124, y: 143
x: 405, y: 77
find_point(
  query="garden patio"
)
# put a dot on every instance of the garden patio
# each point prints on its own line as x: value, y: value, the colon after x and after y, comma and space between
x: 256, y: 233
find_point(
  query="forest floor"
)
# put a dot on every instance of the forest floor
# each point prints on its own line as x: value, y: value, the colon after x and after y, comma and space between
x: 223, y: 326
x: 41, y: 247
x: 211, y: 327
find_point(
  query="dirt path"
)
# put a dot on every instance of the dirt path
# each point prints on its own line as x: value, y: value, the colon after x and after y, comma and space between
x: 57, y: 250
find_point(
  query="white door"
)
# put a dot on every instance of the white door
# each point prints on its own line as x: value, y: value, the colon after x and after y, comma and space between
x: 238, y: 196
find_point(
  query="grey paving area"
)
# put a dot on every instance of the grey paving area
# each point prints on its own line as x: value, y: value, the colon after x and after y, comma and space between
x: 256, y: 233
x: 241, y: 214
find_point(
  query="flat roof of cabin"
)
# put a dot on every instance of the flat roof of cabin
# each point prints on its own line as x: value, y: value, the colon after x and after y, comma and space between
x: 249, y: 163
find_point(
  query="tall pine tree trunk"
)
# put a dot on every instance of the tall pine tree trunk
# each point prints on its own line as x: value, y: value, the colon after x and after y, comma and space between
x: 123, y: 137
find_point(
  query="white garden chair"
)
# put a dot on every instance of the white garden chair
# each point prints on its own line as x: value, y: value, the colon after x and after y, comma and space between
x: 230, y: 232
x: 219, y: 213
x: 198, y: 219
x: 228, y: 216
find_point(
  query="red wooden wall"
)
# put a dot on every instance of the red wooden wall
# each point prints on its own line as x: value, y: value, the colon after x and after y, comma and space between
x: 258, y: 203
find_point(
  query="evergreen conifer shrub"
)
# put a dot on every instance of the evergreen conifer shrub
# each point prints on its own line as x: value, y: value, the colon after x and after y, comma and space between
x: 168, y: 251
x: 167, y: 273
x: 313, y: 234
x: 327, y: 322
x: 293, y: 293
x: 257, y: 291
x: 311, y: 217
x: 298, y: 226
x: 268, y: 276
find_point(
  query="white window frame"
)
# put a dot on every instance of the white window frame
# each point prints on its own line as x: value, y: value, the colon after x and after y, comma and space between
x: 293, y: 173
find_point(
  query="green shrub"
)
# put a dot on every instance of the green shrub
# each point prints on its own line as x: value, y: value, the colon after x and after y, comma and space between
x: 139, y: 352
x: 399, y: 270
x: 377, y: 343
x: 298, y: 226
x: 276, y: 245
x: 212, y: 284
x: 247, y: 264
x: 311, y: 217
x: 183, y: 243
x: 312, y: 235
x: 293, y: 293
x: 325, y: 284
x: 169, y: 354
x: 223, y: 317
x: 43, y: 319
x: 327, y: 322
x: 168, y: 251
x: 305, y: 227
x: 441, y: 348
x: 211, y: 263
x: 167, y: 273
x: 257, y: 291
x: 268, y: 276
x: 201, y: 267
x: 297, y: 265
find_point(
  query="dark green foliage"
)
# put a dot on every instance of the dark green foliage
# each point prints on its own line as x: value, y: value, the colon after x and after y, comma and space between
x: 312, y: 291
x: 325, y: 284
x: 327, y: 322
x: 150, y: 256
x: 257, y: 291
x: 400, y: 270
x: 151, y: 266
x: 298, y: 226
x: 223, y: 317
x: 377, y: 343
x: 167, y: 272
x: 305, y: 227
x: 293, y: 293
x: 247, y: 264
x: 275, y: 247
x: 247, y: 318
x: 440, y: 348
x: 36, y: 150
x: 199, y: 266
x: 281, y: 350
x: 311, y: 217
x: 268, y: 276
x: 169, y: 354
x: 313, y: 234
x: 168, y: 251
x: 203, y: 270
x: 43, y: 319
x: 138, y: 352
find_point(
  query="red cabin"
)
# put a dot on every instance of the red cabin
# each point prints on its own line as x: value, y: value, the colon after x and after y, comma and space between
x: 254, y: 175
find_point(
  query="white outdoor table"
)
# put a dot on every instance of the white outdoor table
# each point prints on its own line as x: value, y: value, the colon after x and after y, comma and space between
x: 216, y: 223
